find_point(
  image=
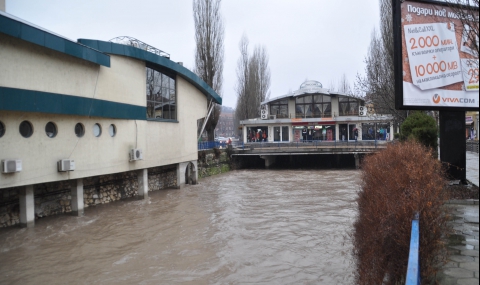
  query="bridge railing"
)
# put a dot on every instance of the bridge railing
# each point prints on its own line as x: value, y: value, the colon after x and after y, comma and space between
x: 299, y: 144
x: 312, y: 144
x: 216, y: 144
x: 413, y: 270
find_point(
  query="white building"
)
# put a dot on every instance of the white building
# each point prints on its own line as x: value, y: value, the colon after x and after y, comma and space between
x: 87, y: 110
x: 313, y: 113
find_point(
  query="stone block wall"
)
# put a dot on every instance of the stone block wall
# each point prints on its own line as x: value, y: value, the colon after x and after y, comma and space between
x: 9, y: 207
x: 213, y: 162
x: 55, y: 198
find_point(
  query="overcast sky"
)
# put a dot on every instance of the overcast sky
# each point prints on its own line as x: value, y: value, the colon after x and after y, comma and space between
x: 305, y: 39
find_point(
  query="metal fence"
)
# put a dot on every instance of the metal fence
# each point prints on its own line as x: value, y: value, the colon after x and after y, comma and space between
x: 413, y: 270
x: 472, y: 146
x: 313, y: 144
x: 300, y: 144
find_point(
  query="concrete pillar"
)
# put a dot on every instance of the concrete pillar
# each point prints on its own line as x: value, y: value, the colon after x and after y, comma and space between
x: 191, y: 173
x: 181, y: 170
x: 195, y: 172
x: 142, y: 176
x: 27, y: 206
x: 77, y: 197
x: 244, y: 132
x: 357, y: 160
x: 269, y: 160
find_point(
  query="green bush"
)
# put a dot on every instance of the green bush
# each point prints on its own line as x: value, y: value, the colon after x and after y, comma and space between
x: 396, y: 183
x: 421, y: 127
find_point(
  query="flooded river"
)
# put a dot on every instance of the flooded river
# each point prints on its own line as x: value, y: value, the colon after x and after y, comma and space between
x: 242, y: 227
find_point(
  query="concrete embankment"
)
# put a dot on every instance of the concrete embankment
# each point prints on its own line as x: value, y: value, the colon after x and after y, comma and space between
x: 212, y: 162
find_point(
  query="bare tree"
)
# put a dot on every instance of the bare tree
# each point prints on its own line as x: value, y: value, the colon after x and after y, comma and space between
x: 253, y: 80
x: 378, y: 84
x: 344, y: 85
x: 209, y: 52
x: 467, y: 13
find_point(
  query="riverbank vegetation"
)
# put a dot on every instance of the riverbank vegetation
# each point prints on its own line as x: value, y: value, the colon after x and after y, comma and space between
x: 397, y: 182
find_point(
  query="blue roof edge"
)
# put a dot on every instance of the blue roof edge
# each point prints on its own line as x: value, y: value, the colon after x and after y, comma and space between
x: 20, y: 29
x: 134, y: 52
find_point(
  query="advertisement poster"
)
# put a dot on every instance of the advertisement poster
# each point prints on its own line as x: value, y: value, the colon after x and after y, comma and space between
x: 440, y: 68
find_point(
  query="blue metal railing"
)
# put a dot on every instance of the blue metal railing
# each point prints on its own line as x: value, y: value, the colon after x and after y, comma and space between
x: 209, y: 145
x: 413, y: 270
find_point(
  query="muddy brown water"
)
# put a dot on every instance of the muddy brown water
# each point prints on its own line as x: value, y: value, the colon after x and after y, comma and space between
x: 242, y: 227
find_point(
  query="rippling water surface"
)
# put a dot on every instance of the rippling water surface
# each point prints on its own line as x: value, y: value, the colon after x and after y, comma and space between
x: 243, y: 227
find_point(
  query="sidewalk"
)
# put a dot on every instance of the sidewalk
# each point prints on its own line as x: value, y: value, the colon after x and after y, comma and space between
x: 463, y: 265
x: 472, y: 167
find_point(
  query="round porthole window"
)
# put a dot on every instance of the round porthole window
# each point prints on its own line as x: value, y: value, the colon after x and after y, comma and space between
x: 112, y: 130
x: 79, y: 130
x: 97, y: 130
x: 26, y: 129
x: 51, y: 130
x: 2, y: 129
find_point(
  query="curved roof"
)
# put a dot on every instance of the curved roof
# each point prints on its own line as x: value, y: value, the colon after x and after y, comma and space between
x: 155, y: 60
x: 311, y: 84
x: 21, y: 29
x: 308, y: 87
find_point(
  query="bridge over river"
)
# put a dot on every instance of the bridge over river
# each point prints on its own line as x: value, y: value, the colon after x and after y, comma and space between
x: 271, y: 152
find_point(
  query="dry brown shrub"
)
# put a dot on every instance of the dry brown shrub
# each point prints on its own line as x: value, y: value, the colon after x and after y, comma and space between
x: 396, y: 183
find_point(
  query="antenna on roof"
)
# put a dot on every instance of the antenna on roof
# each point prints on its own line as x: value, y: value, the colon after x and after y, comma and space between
x: 129, y: 41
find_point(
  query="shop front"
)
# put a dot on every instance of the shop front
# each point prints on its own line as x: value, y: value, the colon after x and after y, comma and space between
x: 316, y: 131
x: 257, y: 134
x: 281, y: 134
x: 376, y: 131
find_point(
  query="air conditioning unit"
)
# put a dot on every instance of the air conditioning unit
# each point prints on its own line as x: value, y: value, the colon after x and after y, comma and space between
x: 136, y: 154
x: 66, y: 165
x: 272, y: 117
x: 11, y: 165
x: 362, y: 111
x: 264, y: 114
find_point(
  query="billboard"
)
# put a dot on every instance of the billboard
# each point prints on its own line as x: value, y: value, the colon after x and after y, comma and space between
x: 436, y: 60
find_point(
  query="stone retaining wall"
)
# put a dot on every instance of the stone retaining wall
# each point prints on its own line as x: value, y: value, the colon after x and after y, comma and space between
x: 213, y: 162
x: 55, y: 198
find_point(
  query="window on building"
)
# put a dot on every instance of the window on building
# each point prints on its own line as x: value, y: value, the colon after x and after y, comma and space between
x: 161, y: 95
x: 279, y: 108
x: 51, y: 130
x: 285, y: 134
x: 79, y: 130
x: 313, y: 106
x: 348, y: 106
x: 26, y: 129
x: 375, y: 131
x: 97, y: 130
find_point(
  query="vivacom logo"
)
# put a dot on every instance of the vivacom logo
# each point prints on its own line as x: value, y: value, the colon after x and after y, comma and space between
x: 436, y: 98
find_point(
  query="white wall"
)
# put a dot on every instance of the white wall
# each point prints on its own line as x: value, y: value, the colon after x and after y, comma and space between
x: 36, y: 68
x: 32, y: 67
